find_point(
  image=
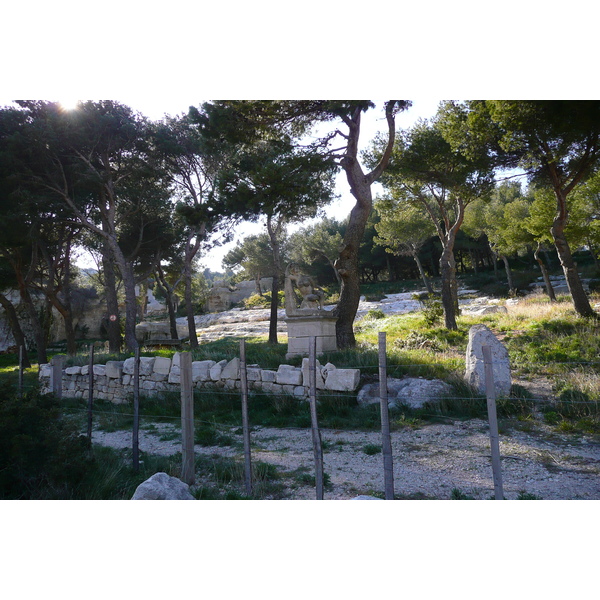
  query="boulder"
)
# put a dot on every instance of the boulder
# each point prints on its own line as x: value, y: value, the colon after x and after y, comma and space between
x: 320, y: 381
x: 479, y: 336
x: 146, y: 365
x: 412, y: 391
x: 114, y: 369
x: 201, y: 370
x: 216, y: 369
x: 162, y: 487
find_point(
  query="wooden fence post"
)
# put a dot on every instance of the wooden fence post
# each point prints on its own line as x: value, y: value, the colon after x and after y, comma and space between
x: 490, y: 392
x: 135, y: 438
x: 316, y: 434
x: 188, y: 469
x: 90, y: 392
x: 58, y: 361
x: 245, y: 420
x: 386, y: 441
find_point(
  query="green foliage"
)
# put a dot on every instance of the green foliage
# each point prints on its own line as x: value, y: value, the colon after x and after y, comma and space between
x: 375, y: 313
x: 433, y: 311
x: 371, y: 449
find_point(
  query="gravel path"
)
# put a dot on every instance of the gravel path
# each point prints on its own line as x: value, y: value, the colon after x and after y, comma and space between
x: 429, y: 462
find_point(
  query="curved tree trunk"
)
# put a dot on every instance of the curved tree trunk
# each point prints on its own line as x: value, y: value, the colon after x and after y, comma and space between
x: 545, y: 275
x: 511, y: 286
x: 164, y: 284
x: 426, y: 282
x: 579, y: 297
x: 449, y: 291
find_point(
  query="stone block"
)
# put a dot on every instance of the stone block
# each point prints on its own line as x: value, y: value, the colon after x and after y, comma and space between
x: 146, y: 365
x: 253, y: 373
x: 201, y: 370
x: 342, y: 380
x: 268, y: 376
x: 73, y: 371
x: 127, y: 380
x: 163, y: 487
x: 288, y: 375
x: 320, y: 381
x: 114, y: 369
x: 85, y: 370
x: 216, y: 369
x: 232, y: 369
x: 162, y: 365
x: 300, y: 391
x: 100, y: 370
x: 45, y: 370
x: 174, y: 375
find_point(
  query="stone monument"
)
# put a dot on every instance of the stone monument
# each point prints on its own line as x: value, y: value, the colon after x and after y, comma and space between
x: 309, y: 319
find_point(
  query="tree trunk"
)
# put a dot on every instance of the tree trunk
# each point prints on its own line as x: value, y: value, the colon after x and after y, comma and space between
x: 126, y: 270
x: 580, y: 300
x: 511, y: 287
x: 449, y: 292
x: 274, y: 233
x: 15, y: 327
x: 422, y: 272
x: 545, y: 275
x: 113, y: 328
x: 164, y: 284
x: 38, y: 331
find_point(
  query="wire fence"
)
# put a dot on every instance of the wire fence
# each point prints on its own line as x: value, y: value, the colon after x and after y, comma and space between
x: 189, y: 421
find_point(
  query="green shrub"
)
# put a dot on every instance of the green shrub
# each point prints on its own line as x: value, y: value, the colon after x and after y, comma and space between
x: 375, y: 313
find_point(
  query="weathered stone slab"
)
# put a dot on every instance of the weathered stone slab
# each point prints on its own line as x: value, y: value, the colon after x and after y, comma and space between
x: 216, y: 370
x: 73, y: 371
x: 268, y: 376
x: 232, y: 369
x: 288, y: 375
x: 114, y: 369
x: 343, y: 380
x: 479, y: 336
x: 174, y: 375
x: 253, y: 373
x: 162, y: 365
x: 320, y: 381
x: 100, y: 370
x: 201, y: 370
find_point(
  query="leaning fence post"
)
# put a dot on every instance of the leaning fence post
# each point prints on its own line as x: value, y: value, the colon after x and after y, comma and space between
x: 490, y: 392
x: 386, y: 442
x: 21, y: 371
x: 57, y: 368
x: 245, y: 420
x: 188, y: 470
x: 135, y: 438
x: 316, y: 435
x: 90, y: 392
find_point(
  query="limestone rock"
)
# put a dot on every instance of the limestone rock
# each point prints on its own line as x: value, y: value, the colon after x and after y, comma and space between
x: 288, y: 375
x: 412, y: 391
x: 232, y: 369
x: 320, y: 381
x: 201, y: 370
x: 162, y: 365
x: 343, y: 380
x: 162, y: 487
x: 73, y: 371
x: 216, y: 369
x: 479, y: 336
x: 114, y: 369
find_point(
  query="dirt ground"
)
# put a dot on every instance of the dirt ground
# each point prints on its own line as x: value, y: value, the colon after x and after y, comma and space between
x: 435, y: 461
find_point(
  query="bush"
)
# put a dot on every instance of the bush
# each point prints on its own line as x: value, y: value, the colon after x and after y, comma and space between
x: 42, y: 455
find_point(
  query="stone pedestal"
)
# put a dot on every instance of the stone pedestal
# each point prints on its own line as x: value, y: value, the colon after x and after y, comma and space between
x: 302, y: 328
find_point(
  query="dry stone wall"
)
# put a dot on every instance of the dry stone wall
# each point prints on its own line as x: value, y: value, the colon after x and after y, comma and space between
x: 114, y: 381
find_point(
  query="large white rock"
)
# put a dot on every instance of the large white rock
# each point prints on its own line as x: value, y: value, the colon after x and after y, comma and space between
x: 146, y: 365
x: 342, y: 380
x: 114, y: 369
x: 479, y: 336
x: 162, y: 487
x: 216, y: 369
x: 412, y: 391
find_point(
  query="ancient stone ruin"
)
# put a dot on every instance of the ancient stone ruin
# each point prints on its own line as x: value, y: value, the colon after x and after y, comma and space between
x: 309, y: 319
